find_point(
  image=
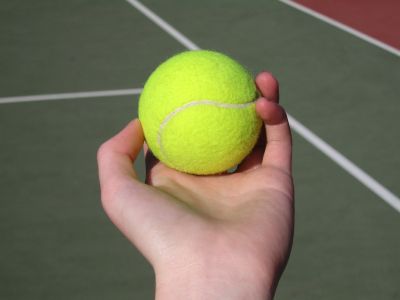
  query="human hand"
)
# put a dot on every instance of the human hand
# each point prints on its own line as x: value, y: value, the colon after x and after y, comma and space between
x: 224, y: 236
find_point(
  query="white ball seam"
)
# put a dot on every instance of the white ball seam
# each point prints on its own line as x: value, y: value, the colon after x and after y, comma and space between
x: 191, y: 104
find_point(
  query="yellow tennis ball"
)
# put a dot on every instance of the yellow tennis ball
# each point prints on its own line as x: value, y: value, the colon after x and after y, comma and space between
x: 198, y: 113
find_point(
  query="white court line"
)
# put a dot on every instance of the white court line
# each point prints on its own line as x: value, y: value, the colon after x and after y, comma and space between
x: 342, y: 26
x: 345, y: 163
x: 63, y: 96
x: 307, y: 134
x: 164, y: 25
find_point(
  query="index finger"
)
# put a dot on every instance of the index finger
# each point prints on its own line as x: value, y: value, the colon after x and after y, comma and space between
x: 268, y: 86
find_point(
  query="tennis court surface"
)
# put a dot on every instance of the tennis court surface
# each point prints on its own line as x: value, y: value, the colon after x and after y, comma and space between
x: 71, y: 74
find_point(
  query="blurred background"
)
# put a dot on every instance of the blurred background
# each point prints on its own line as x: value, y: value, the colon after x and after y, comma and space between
x: 70, y: 78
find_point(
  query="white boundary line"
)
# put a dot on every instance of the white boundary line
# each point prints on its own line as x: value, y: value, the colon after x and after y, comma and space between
x: 307, y: 134
x: 63, y: 96
x: 164, y: 25
x: 342, y: 26
x: 345, y: 163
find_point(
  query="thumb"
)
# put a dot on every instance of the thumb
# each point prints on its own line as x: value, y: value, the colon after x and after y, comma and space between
x: 115, y: 158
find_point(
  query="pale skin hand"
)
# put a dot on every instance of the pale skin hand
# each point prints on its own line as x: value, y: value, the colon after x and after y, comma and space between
x: 224, y: 236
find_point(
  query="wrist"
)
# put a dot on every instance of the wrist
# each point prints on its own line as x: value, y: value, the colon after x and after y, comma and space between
x: 196, y: 281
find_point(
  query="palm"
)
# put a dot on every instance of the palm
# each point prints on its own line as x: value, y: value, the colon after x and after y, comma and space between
x: 249, y: 204
x: 219, y: 196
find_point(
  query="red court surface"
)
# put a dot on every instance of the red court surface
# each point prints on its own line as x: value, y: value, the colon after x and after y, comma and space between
x: 378, y: 19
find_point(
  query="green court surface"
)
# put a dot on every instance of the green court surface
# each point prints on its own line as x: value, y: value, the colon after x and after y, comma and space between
x: 56, y: 242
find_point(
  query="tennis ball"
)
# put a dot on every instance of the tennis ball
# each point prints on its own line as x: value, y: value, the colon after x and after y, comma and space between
x: 198, y: 113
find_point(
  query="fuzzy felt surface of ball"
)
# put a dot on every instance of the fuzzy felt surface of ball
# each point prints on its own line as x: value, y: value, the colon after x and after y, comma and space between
x: 198, y: 113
